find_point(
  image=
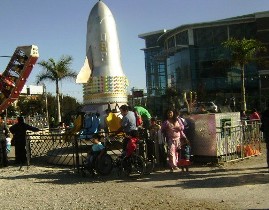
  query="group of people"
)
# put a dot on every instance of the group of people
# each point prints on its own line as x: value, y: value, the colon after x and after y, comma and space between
x: 171, y: 144
x: 168, y: 139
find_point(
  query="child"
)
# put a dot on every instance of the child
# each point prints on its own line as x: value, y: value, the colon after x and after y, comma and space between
x: 97, y: 150
x: 8, y: 143
x: 132, y: 143
x: 184, y: 155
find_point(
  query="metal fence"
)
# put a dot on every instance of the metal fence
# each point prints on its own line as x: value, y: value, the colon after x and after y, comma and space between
x: 49, y: 148
x: 239, y: 142
x: 233, y: 142
x: 46, y: 148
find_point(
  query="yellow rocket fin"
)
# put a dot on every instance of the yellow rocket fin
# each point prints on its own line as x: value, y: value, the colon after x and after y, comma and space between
x: 85, y: 73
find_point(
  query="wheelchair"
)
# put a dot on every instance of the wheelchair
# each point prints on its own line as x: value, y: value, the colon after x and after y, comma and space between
x: 131, y: 166
x: 102, y: 166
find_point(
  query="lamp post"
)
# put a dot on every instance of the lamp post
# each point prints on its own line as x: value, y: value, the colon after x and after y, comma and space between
x: 260, y: 91
x: 46, y: 103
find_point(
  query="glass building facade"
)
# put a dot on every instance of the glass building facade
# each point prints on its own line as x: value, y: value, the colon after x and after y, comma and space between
x: 191, y: 58
x: 155, y: 65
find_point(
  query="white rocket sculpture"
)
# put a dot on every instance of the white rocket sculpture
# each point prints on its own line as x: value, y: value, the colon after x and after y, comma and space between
x: 102, y: 74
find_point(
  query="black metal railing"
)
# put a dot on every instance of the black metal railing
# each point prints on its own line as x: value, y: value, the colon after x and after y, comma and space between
x: 48, y: 148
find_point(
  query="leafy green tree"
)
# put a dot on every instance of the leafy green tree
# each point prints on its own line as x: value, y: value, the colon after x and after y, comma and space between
x: 11, y: 110
x: 243, y: 52
x: 30, y: 106
x: 55, y: 72
x: 71, y: 108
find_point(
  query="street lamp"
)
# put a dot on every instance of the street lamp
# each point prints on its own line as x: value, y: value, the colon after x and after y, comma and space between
x: 46, y: 103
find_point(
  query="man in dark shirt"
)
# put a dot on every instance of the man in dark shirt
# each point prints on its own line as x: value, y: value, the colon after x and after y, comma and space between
x: 19, y: 137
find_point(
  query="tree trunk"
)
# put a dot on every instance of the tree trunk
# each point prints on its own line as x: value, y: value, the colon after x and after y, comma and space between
x: 243, y: 91
x: 58, y: 101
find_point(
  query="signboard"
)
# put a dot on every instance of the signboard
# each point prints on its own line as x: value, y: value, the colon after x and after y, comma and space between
x: 32, y: 90
x: 138, y: 93
x: 36, y: 90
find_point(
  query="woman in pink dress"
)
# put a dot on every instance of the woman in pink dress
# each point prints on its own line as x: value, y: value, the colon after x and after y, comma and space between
x: 172, y: 128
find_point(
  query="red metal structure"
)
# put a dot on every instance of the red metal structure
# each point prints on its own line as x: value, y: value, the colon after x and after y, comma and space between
x: 16, y: 73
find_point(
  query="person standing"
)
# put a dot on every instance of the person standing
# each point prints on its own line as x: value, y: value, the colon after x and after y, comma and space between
x: 19, y: 137
x: 265, y: 130
x: 145, y: 115
x: 173, y: 131
x: 3, y: 135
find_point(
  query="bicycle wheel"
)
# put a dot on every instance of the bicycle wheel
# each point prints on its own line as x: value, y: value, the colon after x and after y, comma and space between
x: 86, y: 169
x: 127, y: 166
x: 118, y: 165
x: 149, y: 166
x: 138, y: 165
x: 104, y: 165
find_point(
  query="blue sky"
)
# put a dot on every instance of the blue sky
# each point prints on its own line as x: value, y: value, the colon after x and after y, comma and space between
x: 58, y: 27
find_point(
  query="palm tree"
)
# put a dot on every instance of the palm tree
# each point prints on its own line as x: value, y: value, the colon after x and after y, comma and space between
x: 242, y: 53
x: 55, y: 72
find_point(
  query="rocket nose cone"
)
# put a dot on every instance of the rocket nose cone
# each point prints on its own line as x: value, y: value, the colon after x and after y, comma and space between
x: 100, y: 8
x: 102, y: 41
